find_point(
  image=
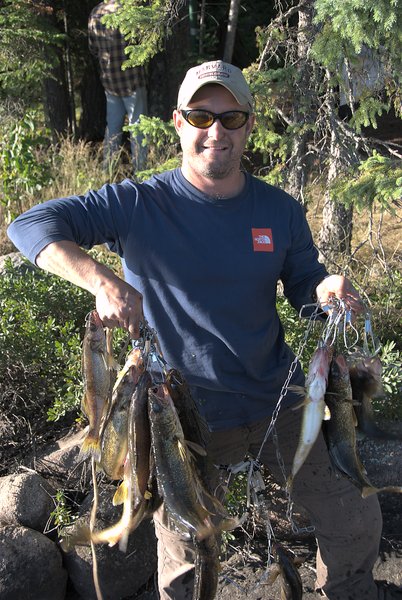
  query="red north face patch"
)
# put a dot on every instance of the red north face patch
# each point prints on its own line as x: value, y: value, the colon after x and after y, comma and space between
x: 262, y: 240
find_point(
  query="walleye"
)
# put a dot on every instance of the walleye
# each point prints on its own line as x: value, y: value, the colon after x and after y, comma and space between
x: 114, y: 443
x: 114, y: 435
x: 365, y: 377
x: 178, y: 481
x: 340, y: 432
x: 195, y: 428
x: 139, y: 439
x: 286, y: 567
x: 81, y: 534
x: 314, y: 405
x: 97, y: 382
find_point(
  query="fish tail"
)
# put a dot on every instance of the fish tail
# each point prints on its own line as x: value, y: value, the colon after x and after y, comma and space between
x: 120, y: 494
x: 91, y: 447
x: 79, y: 537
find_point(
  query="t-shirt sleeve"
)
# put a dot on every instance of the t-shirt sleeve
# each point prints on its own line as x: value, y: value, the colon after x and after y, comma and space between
x: 97, y: 217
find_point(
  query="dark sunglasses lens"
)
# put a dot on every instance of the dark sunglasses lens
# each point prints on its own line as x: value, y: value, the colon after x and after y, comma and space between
x: 200, y: 118
x: 234, y: 120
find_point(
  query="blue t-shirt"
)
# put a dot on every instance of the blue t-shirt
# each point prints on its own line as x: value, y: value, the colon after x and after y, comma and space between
x: 208, y: 271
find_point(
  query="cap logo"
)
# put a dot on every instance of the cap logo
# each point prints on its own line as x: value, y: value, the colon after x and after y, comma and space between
x: 213, y: 74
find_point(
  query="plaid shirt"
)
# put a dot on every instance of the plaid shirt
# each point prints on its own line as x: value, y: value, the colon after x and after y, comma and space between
x: 107, y: 45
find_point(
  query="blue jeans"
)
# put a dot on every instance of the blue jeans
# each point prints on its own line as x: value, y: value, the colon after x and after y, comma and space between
x: 117, y: 107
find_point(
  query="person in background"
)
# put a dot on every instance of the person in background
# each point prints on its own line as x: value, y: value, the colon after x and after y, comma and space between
x: 203, y: 248
x: 125, y: 89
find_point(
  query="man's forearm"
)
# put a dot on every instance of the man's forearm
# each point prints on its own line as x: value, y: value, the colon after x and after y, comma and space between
x: 67, y: 260
x: 117, y: 302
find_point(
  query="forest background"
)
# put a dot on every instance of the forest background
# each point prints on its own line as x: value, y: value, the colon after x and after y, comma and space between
x: 326, y: 77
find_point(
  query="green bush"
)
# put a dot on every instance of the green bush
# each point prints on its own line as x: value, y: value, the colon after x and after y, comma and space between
x: 41, y: 326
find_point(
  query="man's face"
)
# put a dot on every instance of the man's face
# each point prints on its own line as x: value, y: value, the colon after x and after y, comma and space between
x: 212, y: 153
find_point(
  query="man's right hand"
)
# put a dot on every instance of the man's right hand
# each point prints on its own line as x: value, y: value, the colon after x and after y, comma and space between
x: 118, y: 303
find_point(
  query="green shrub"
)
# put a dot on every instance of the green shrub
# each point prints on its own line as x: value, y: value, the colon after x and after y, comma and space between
x: 41, y: 327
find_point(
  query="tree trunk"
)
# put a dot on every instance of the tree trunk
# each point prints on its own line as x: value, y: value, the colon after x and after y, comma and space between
x: 56, y: 106
x: 337, y: 219
x: 93, y: 102
x: 301, y: 108
x: 231, y: 30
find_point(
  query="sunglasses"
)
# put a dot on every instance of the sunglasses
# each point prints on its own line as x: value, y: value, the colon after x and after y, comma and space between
x: 202, y: 119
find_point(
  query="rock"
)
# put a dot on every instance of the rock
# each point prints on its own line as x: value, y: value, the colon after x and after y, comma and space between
x: 21, y: 264
x: 30, y: 566
x: 120, y: 574
x: 26, y: 499
x: 61, y: 461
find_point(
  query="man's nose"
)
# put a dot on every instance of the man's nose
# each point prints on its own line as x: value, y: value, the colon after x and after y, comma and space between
x: 216, y: 130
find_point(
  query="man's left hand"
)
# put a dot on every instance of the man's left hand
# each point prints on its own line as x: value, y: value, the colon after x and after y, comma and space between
x: 341, y: 288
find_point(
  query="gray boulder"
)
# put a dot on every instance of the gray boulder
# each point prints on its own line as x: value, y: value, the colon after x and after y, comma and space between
x: 26, y: 499
x: 30, y: 566
x: 18, y: 261
x: 121, y: 574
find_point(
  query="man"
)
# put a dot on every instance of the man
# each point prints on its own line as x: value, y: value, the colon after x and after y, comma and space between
x: 203, y: 248
x: 124, y: 88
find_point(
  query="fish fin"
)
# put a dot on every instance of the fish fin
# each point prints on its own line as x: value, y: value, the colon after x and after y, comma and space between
x: 369, y: 491
x: 327, y: 413
x: 75, y: 536
x: 120, y: 494
x: 91, y: 447
x: 229, y: 523
x: 196, y: 448
x: 182, y: 450
x: 297, y: 389
x: 274, y: 573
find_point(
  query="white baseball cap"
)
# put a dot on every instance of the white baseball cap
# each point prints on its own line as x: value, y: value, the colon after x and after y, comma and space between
x: 219, y: 72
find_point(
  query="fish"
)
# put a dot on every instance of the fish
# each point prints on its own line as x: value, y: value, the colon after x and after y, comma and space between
x: 313, y: 406
x: 97, y: 383
x: 340, y: 430
x: 365, y: 377
x: 178, y: 482
x: 139, y: 439
x: 81, y: 534
x: 195, y: 428
x: 114, y: 442
x: 286, y: 567
x: 206, y: 568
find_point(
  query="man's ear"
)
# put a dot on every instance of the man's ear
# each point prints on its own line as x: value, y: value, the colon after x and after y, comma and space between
x: 178, y: 120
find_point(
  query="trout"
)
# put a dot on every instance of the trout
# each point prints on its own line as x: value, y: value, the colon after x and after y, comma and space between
x: 97, y: 382
x: 340, y: 429
x: 286, y: 567
x: 365, y: 377
x: 313, y: 405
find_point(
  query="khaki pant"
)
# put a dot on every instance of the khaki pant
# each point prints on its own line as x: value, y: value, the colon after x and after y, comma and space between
x: 347, y: 527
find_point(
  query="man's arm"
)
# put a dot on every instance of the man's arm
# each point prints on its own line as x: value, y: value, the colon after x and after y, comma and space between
x: 117, y: 302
